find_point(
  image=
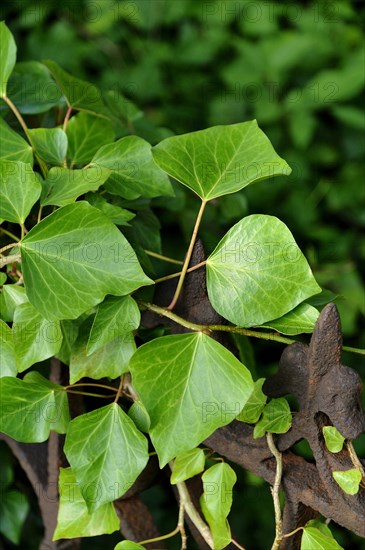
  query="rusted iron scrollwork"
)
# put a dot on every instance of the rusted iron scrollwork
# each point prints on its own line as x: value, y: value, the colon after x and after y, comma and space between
x: 327, y: 392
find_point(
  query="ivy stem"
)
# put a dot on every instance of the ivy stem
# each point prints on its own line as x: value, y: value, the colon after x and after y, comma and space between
x: 7, y: 247
x: 9, y: 260
x: 292, y: 532
x: 275, y: 490
x: 39, y: 217
x: 90, y: 394
x: 67, y: 118
x: 166, y: 313
x: 173, y: 275
x: 163, y: 537
x: 188, y: 256
x: 355, y: 459
x: 354, y: 350
x: 9, y: 234
x: 25, y: 128
x: 120, y: 389
x: 237, y: 545
x: 110, y: 388
x: 163, y: 258
x: 181, y: 526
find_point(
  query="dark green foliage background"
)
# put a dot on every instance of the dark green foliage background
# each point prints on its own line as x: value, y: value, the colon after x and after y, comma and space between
x: 188, y: 64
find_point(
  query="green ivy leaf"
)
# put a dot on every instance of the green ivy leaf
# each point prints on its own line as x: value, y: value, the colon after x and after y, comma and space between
x: 10, y: 298
x: 70, y: 331
x: 74, y: 520
x: 137, y: 412
x: 190, y: 385
x: 14, y: 509
x: 50, y: 144
x: 8, y: 56
x: 128, y: 545
x: 216, y: 501
x: 13, y: 146
x: 63, y: 186
x: 35, y: 338
x: 257, y: 272
x: 134, y: 172
x: 3, y: 277
x: 116, y: 316
x: 221, y: 159
x: 188, y: 465
x: 19, y: 190
x: 333, y: 439
x: 298, y: 321
x: 314, y: 538
x: 110, y: 360
x: 114, y: 454
x: 276, y: 418
x: 251, y: 412
x: 348, y: 480
x: 31, y: 408
x: 116, y: 214
x: 86, y: 134
x: 80, y: 95
x: 71, y: 252
x: 8, y: 365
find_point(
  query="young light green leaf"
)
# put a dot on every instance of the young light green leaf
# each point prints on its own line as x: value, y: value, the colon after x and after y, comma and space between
x: 276, y: 418
x: 134, y: 172
x: 13, y: 146
x: 35, y: 338
x: 80, y: 95
x: 110, y: 360
x: 32, y: 89
x: 221, y: 159
x: 8, y: 56
x: 301, y: 319
x: 114, y: 454
x: 50, y: 144
x: 63, y: 186
x: 251, y: 412
x: 30, y: 409
x: 348, y: 480
x: 216, y: 501
x: 314, y: 539
x: 72, y: 251
x: 116, y: 316
x: 137, y: 412
x: 3, y: 277
x: 317, y: 523
x: 14, y: 508
x: 333, y: 439
x: 86, y: 134
x: 188, y: 465
x: 10, y: 298
x: 8, y: 365
x: 19, y: 190
x: 257, y: 272
x: 116, y: 214
x: 190, y: 385
x: 128, y: 545
x: 74, y: 520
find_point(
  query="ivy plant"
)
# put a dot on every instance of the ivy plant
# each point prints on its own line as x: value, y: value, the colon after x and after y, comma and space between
x: 78, y: 233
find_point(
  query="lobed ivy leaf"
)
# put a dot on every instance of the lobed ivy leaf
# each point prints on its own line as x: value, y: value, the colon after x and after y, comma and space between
x: 190, y: 385
x: 64, y: 186
x: 32, y: 407
x: 298, y: 321
x: 8, y: 56
x: 116, y: 214
x: 19, y: 190
x: 257, y: 272
x: 255, y: 404
x: 8, y: 366
x: 73, y: 258
x: 50, y: 144
x: 188, y: 465
x: 333, y: 439
x: 10, y: 298
x: 86, y: 134
x: 13, y: 146
x: 276, y: 418
x: 220, y: 160
x: 35, y: 338
x: 216, y: 501
x: 114, y: 454
x: 348, y: 480
x: 14, y: 508
x: 134, y: 172
x: 74, y: 520
x: 313, y: 538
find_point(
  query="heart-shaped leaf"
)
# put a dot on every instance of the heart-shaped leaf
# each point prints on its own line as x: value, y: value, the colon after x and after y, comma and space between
x: 19, y: 190
x: 190, y: 385
x: 333, y: 439
x: 276, y: 418
x: 251, y: 412
x: 72, y: 251
x: 188, y: 465
x: 301, y: 319
x: 13, y: 146
x: 257, y: 272
x: 114, y: 454
x: 313, y: 538
x: 86, y: 134
x: 50, y: 144
x: 348, y: 480
x: 221, y: 159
